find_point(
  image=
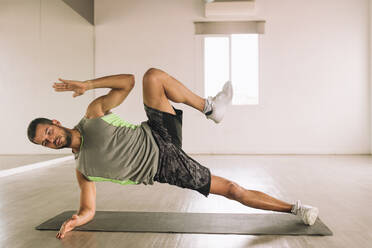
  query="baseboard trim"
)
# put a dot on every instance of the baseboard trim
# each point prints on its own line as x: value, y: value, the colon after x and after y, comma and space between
x: 43, y: 164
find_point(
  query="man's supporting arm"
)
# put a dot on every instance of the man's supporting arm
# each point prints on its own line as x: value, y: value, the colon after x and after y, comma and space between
x: 87, y: 199
x: 87, y: 206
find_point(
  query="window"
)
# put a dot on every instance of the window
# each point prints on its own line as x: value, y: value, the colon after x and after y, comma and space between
x: 235, y: 58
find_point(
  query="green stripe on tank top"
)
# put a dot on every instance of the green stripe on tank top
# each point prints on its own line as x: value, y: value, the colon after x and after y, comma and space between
x: 102, y: 179
x: 82, y: 141
x: 116, y: 121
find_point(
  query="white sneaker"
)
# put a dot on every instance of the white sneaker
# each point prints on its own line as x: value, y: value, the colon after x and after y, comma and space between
x: 307, y: 213
x: 220, y: 102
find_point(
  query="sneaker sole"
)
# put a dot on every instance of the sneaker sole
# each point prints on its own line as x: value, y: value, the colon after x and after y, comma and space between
x: 311, y: 217
x: 227, y: 89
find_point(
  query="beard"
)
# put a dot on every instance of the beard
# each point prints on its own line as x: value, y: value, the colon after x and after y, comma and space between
x: 68, y: 138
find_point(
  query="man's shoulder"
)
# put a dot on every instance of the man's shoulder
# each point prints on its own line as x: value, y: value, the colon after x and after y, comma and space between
x: 96, y: 115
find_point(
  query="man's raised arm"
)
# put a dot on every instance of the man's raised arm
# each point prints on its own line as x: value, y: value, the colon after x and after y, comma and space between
x: 120, y: 86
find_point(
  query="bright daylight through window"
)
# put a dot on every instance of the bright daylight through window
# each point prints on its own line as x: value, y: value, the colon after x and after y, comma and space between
x: 232, y: 57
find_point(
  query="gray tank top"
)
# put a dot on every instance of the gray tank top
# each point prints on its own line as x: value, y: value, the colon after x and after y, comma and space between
x: 117, y: 151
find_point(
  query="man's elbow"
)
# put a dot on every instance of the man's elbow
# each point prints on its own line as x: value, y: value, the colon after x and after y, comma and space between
x: 128, y: 80
x: 131, y: 81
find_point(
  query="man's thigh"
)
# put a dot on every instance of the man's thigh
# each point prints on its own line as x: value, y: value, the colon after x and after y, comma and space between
x: 177, y: 168
x: 167, y: 125
x: 154, y: 94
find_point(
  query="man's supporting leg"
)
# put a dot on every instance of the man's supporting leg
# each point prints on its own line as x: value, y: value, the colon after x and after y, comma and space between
x: 250, y: 198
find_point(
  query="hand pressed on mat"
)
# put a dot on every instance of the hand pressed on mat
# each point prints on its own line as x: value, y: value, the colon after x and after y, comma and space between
x: 67, y: 226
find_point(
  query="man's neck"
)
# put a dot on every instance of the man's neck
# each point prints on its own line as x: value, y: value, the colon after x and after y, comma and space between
x: 75, y: 140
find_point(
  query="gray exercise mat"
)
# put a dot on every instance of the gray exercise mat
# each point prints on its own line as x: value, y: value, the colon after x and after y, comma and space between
x: 170, y: 222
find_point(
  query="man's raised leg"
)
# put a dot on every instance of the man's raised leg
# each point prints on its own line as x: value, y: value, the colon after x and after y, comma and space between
x: 159, y: 87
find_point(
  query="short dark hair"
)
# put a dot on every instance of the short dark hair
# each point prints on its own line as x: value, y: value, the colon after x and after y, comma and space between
x: 31, y: 130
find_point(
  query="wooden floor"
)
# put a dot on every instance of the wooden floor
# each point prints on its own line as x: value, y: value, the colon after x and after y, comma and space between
x: 341, y: 186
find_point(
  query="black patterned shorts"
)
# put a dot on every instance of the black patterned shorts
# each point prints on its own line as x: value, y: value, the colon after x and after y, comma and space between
x: 175, y: 166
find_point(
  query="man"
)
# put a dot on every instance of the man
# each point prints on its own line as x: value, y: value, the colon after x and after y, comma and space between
x: 107, y: 148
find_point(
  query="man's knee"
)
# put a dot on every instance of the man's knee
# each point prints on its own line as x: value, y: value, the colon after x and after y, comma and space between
x: 151, y: 75
x: 233, y: 190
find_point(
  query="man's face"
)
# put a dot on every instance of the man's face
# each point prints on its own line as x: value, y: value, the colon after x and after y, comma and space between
x: 53, y: 136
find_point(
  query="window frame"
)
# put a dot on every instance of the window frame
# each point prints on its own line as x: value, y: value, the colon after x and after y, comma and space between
x: 201, y: 65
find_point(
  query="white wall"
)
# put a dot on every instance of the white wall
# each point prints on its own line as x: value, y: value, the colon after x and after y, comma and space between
x: 370, y: 67
x: 314, y: 83
x: 41, y: 40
